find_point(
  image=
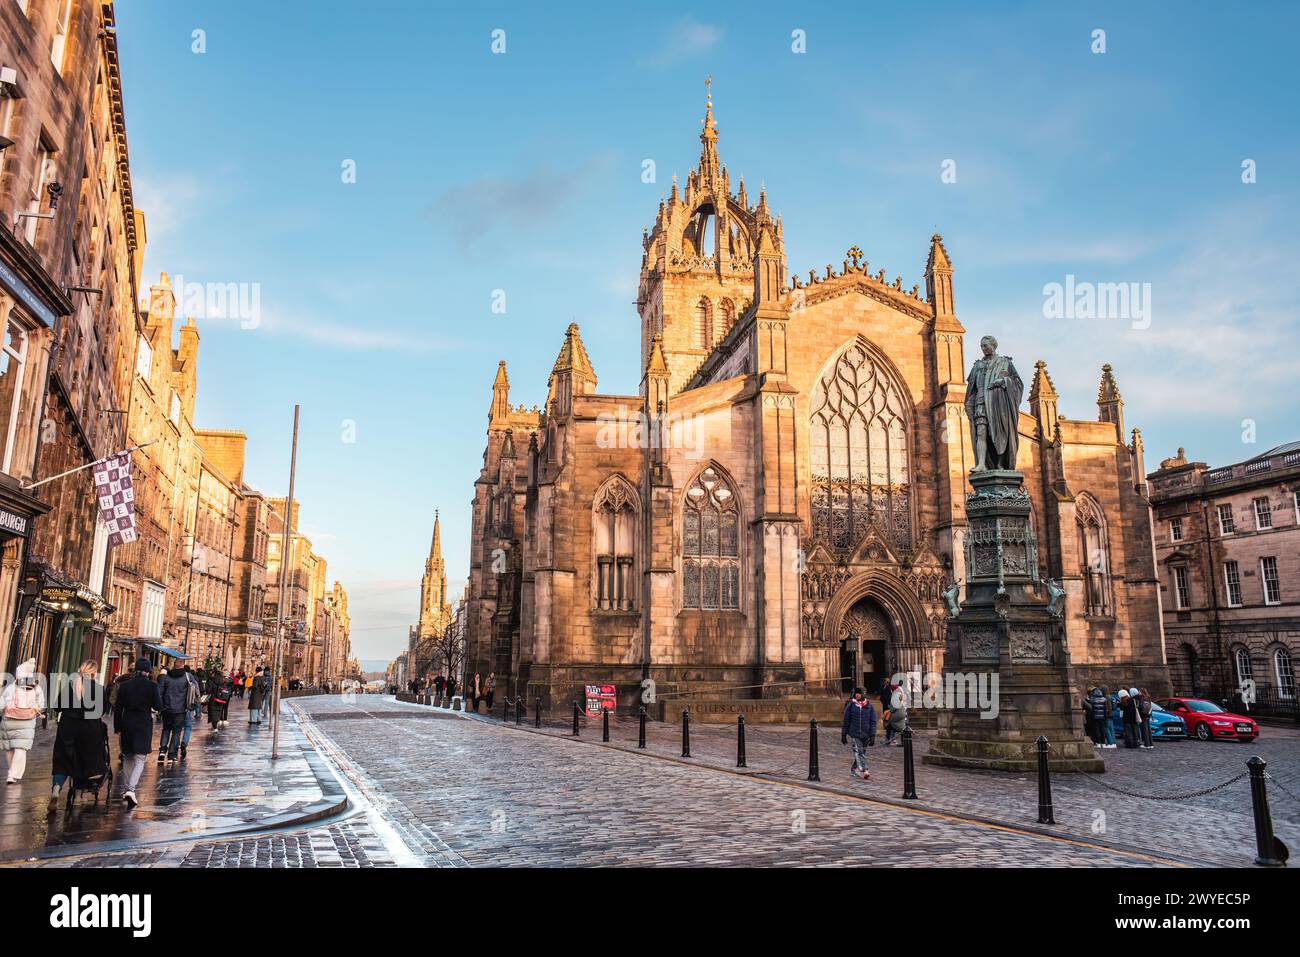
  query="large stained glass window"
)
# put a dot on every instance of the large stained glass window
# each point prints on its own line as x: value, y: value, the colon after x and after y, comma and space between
x: 710, y: 544
x: 858, y: 437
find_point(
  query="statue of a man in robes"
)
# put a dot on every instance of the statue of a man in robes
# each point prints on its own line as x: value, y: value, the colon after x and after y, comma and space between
x: 993, y: 394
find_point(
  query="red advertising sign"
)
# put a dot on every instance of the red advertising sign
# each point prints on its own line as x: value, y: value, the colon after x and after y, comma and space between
x: 599, y: 698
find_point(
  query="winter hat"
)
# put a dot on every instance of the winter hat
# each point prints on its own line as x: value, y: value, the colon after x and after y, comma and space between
x: 1123, y: 693
x: 143, y: 664
x: 1133, y: 692
x: 27, y: 669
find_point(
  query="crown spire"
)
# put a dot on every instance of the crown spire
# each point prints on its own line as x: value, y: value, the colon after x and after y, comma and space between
x: 709, y: 136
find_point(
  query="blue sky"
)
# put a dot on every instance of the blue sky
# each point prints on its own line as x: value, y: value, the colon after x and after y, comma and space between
x: 522, y: 172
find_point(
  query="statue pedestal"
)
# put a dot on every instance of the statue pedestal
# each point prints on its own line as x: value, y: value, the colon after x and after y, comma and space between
x: 1009, y: 630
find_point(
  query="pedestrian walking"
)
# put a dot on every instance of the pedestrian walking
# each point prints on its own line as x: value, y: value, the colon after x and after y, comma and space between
x: 439, y: 683
x: 858, y: 729
x: 477, y: 692
x: 490, y: 689
x: 896, y: 717
x: 257, y: 695
x: 451, y: 690
x: 137, y: 700
x: 1128, y: 708
x: 218, y: 700
x: 1144, y: 719
x: 174, y: 689
x: 79, y: 740
x: 21, y: 703
x: 193, y: 708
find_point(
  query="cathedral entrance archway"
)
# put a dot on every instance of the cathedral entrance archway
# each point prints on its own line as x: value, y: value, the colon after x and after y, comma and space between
x: 867, y: 646
x: 886, y: 621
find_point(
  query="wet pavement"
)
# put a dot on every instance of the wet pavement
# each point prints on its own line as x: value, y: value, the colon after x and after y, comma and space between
x: 227, y: 784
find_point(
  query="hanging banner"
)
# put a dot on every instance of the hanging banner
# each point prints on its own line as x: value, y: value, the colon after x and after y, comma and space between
x: 116, y: 498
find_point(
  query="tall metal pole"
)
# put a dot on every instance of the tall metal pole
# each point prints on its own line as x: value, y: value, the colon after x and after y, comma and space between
x: 279, y: 608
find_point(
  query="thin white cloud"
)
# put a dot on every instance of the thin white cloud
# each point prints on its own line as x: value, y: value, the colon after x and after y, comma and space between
x: 686, y: 38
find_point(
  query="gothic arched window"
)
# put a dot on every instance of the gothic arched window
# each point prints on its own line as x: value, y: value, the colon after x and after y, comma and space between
x: 858, y: 437
x: 703, y: 326
x: 728, y: 318
x: 710, y: 543
x: 614, y: 534
x: 1094, y: 557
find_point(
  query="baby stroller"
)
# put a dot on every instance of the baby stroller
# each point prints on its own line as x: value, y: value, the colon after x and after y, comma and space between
x: 93, y: 774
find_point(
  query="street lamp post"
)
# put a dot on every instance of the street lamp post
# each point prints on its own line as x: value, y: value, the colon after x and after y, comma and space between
x: 279, y: 610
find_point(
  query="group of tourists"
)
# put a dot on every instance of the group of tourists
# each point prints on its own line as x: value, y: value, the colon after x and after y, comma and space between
x: 176, y: 697
x: 858, y: 728
x: 444, y: 687
x: 1134, y: 706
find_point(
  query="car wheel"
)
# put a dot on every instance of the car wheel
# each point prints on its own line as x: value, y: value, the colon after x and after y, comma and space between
x: 1203, y: 731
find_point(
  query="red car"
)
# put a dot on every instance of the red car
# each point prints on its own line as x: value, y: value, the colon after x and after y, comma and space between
x: 1206, y: 720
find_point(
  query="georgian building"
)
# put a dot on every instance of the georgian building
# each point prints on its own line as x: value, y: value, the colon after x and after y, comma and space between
x: 781, y: 502
x: 1228, y: 549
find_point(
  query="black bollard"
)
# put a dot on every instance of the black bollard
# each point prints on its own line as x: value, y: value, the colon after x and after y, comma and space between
x: 575, y: 719
x: 1045, y: 815
x: 604, y: 724
x: 814, y: 766
x: 1269, y: 851
x: 640, y: 741
x: 519, y: 710
x: 740, y: 741
x: 686, y: 732
x: 909, y: 766
x: 537, y: 712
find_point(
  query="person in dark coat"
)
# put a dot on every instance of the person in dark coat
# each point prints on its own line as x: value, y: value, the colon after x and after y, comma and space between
x: 439, y: 683
x: 451, y: 690
x: 1128, y: 707
x: 859, y: 729
x: 219, y: 692
x: 79, y: 740
x: 174, y: 689
x: 257, y: 693
x: 137, y: 700
x: 1095, y: 711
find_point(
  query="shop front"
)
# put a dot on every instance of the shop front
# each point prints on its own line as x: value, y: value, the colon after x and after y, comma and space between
x: 17, y: 512
x: 62, y: 624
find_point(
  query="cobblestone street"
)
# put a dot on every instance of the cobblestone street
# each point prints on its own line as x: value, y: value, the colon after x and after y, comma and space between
x: 433, y: 788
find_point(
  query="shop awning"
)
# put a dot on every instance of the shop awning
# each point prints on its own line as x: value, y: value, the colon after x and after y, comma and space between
x: 164, y: 650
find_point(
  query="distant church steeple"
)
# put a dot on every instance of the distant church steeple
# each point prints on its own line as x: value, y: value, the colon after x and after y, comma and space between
x: 435, y: 610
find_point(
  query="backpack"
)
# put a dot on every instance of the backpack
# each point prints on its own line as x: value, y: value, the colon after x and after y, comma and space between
x: 193, y: 697
x: 25, y: 704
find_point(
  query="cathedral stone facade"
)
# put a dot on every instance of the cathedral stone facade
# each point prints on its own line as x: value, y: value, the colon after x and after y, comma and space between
x: 778, y: 509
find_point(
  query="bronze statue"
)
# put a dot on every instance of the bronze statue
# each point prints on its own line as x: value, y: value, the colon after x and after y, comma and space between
x: 993, y: 393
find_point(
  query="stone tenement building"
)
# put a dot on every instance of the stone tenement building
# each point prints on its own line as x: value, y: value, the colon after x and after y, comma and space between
x: 1228, y: 549
x: 782, y: 503
x: 70, y: 254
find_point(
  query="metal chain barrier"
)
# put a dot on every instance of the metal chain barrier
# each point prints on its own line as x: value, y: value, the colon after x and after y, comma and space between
x: 1092, y: 778
x: 1281, y: 787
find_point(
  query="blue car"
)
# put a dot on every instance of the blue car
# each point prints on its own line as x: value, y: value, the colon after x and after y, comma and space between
x: 1164, y: 724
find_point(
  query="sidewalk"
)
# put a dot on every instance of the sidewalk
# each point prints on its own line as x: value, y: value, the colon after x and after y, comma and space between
x: 227, y: 785
x: 1214, y: 829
